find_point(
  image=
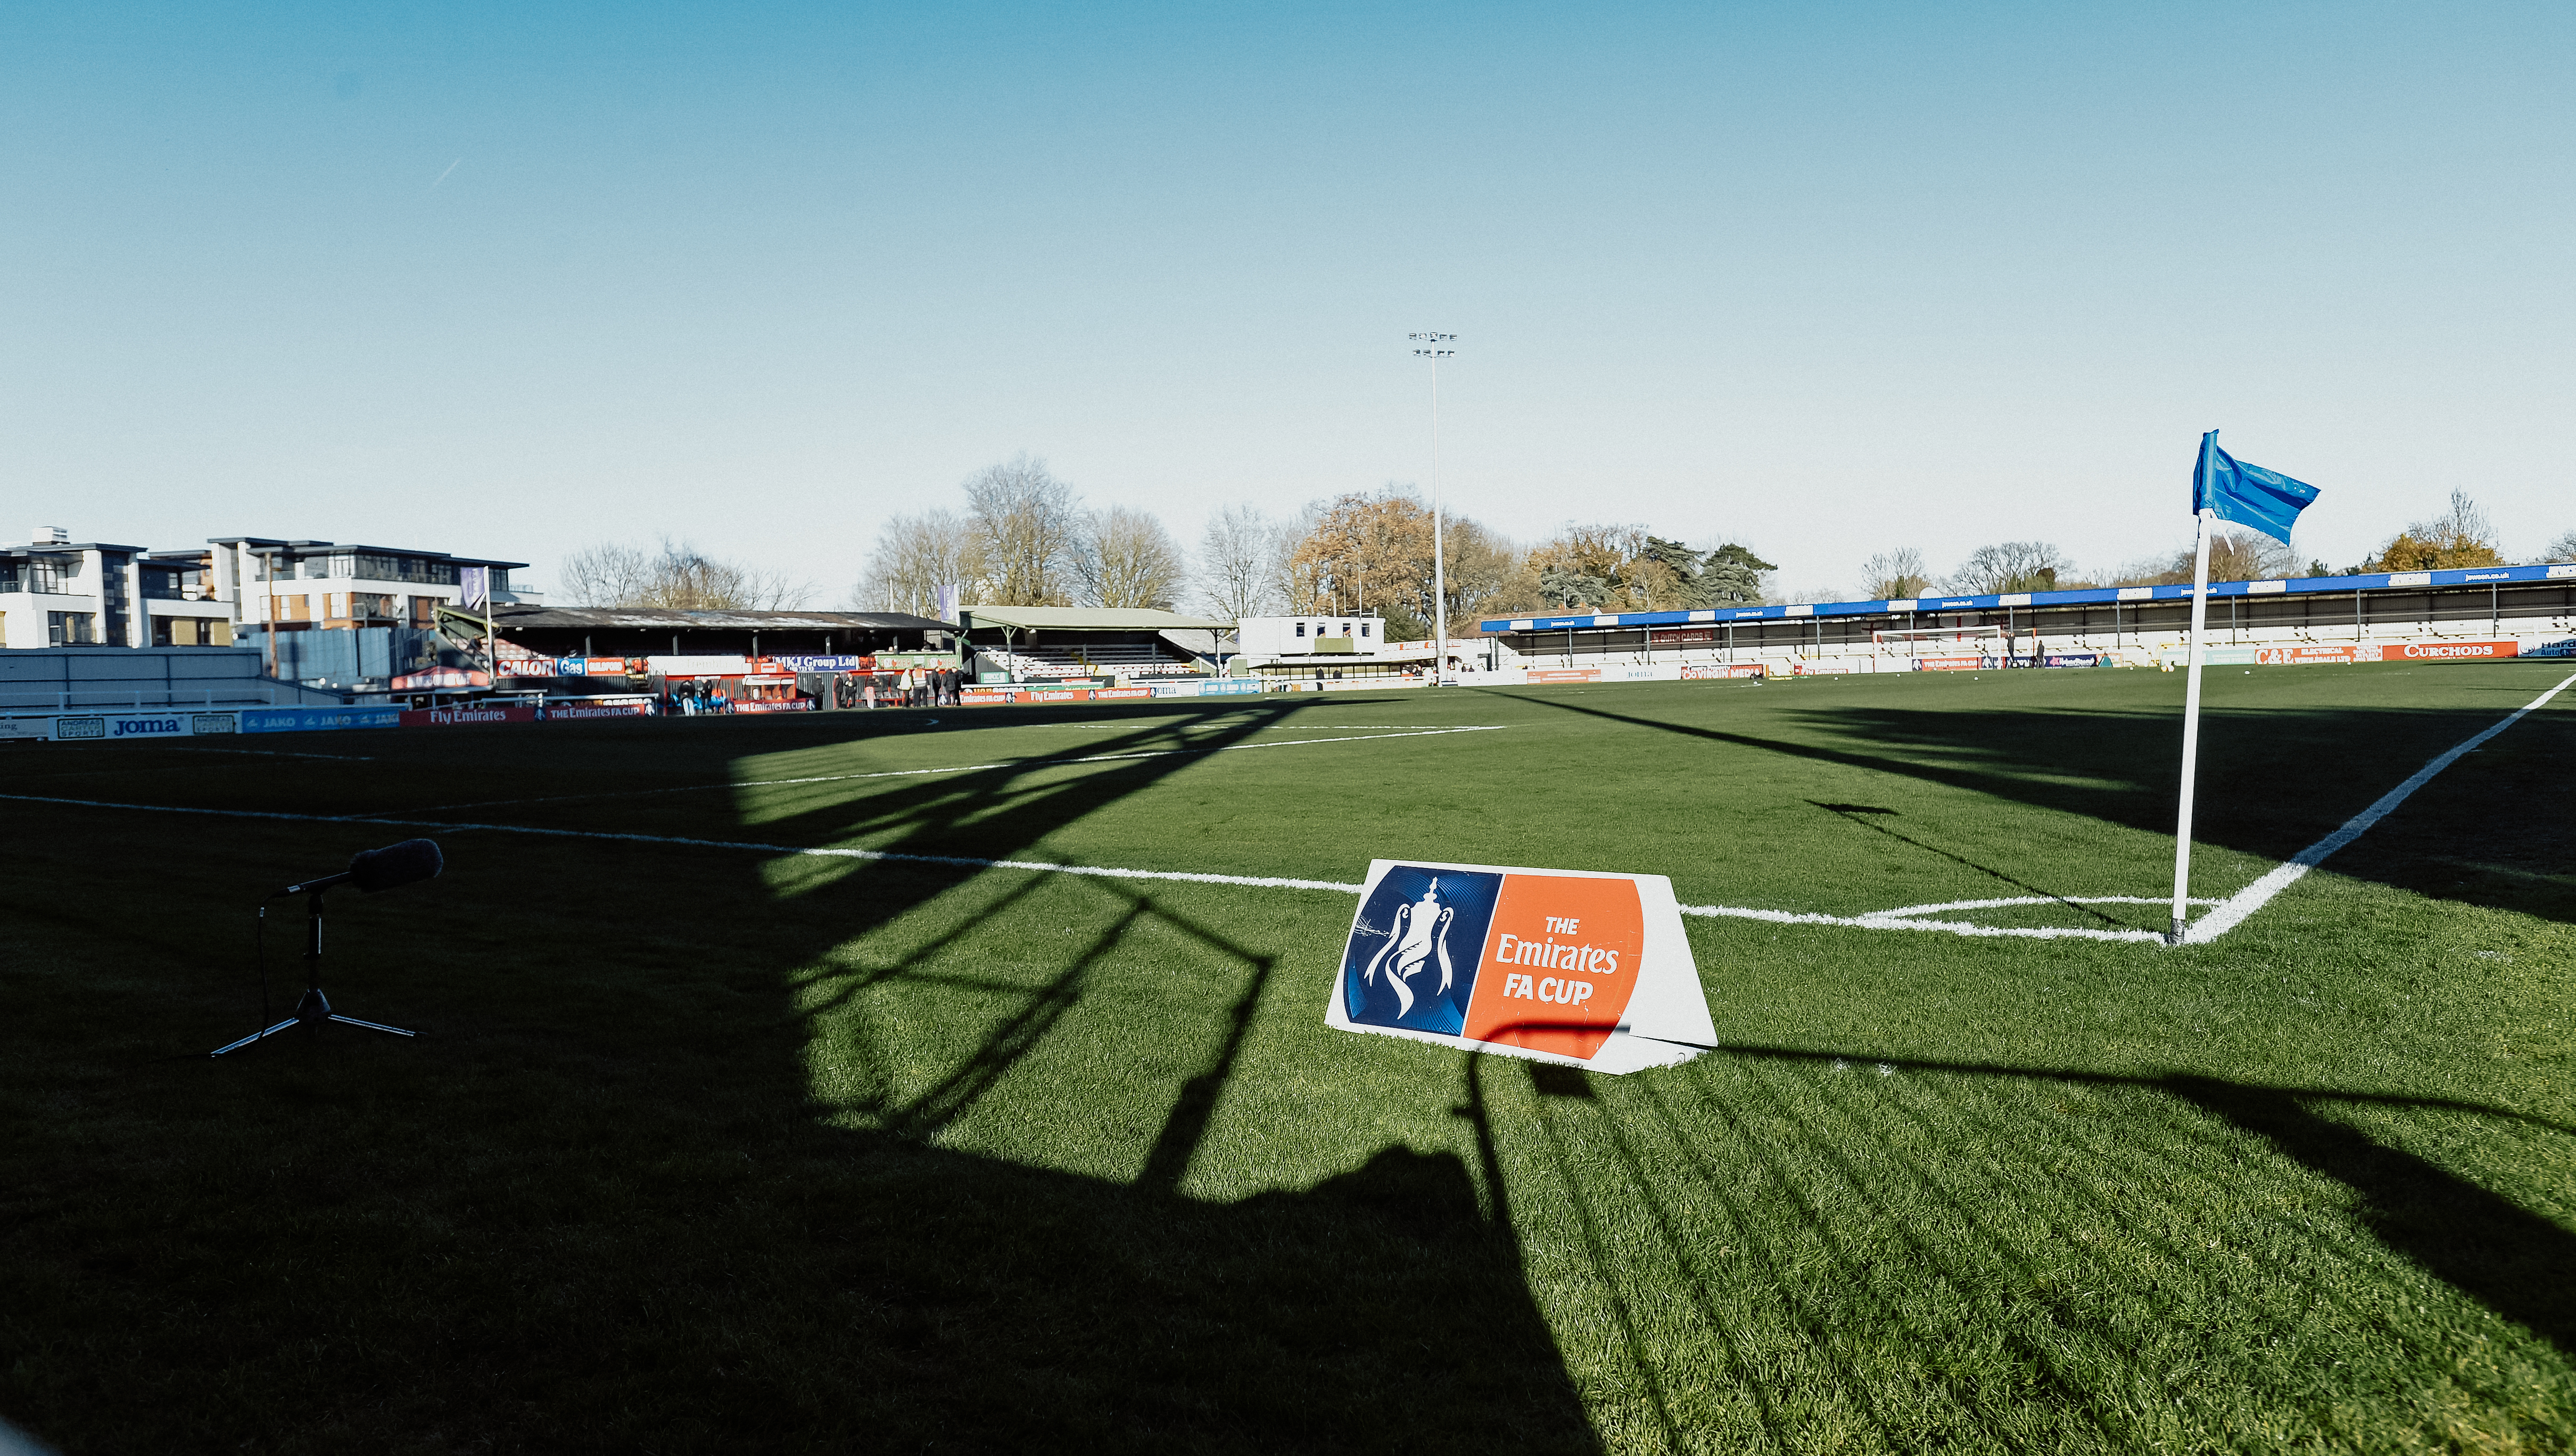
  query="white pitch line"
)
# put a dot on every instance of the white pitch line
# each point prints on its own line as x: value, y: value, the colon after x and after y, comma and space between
x: 1274, y: 882
x: 2256, y: 895
x: 1889, y: 920
x: 2230, y: 912
x: 903, y: 773
x: 2033, y: 900
x: 1902, y: 919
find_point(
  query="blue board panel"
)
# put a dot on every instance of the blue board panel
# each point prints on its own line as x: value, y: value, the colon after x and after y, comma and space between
x: 309, y: 720
x: 2100, y: 596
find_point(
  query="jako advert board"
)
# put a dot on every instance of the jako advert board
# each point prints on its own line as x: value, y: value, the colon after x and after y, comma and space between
x: 1583, y: 969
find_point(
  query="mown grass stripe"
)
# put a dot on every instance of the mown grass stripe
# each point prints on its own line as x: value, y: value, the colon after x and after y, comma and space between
x: 2258, y: 894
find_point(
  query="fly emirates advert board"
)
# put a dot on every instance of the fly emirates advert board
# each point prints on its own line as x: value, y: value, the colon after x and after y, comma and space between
x: 1583, y: 969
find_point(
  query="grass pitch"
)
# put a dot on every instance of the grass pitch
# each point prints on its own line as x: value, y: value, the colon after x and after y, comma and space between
x: 709, y: 1144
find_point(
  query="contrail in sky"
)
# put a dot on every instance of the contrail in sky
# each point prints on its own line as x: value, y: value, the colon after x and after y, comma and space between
x: 452, y: 166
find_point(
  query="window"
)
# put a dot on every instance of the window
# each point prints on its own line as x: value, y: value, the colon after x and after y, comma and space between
x: 1364, y: 629
x: 71, y: 629
x: 53, y: 574
x: 1301, y: 629
x: 191, y: 632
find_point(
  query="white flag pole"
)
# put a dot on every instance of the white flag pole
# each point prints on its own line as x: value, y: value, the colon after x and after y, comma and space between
x: 2191, y: 699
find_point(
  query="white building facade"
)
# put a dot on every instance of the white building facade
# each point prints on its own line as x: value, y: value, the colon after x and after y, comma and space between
x: 322, y: 584
x: 56, y: 592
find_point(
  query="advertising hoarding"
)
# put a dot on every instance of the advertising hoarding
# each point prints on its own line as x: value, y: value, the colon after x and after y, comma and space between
x: 1580, y: 968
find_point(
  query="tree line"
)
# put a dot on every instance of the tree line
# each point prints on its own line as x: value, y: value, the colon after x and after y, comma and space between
x: 1018, y: 534
x: 674, y: 575
x: 1022, y: 536
x: 2460, y: 535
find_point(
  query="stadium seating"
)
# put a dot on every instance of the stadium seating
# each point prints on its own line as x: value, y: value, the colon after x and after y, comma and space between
x: 1090, y: 660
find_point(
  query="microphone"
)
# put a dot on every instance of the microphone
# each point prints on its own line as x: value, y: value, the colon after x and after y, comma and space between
x: 382, y: 869
x: 396, y: 864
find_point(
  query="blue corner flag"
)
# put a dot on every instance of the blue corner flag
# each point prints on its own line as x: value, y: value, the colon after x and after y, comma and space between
x: 2249, y: 495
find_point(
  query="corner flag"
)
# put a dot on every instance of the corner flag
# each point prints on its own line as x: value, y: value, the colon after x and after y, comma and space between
x: 2222, y: 489
x: 2248, y: 495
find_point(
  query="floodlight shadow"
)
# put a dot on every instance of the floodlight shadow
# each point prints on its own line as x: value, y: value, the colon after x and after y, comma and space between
x: 1394, y: 1187
x: 1596, y: 1249
x: 2515, y: 1262
x: 1698, y: 1281
x: 1003, y: 1048
x: 1853, y: 813
x: 2152, y: 1183
x: 2276, y: 742
x: 2518, y: 1264
x: 2035, y: 1356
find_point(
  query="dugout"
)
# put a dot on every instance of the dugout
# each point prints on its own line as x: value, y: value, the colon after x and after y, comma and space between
x: 2524, y: 604
x: 1039, y: 644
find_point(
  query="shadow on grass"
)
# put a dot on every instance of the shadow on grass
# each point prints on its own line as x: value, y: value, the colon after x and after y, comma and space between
x: 1867, y: 817
x: 1379, y: 1309
x: 2517, y: 1263
x: 597, y: 1205
x: 2513, y: 1261
x: 2272, y: 782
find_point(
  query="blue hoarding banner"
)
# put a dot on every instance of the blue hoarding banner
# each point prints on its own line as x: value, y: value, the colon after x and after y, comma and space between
x: 309, y: 720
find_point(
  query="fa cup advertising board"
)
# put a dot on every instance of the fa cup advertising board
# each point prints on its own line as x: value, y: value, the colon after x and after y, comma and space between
x: 1584, y: 969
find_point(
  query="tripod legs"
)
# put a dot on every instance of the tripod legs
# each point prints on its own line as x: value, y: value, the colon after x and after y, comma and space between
x: 255, y: 1036
x: 313, y: 1010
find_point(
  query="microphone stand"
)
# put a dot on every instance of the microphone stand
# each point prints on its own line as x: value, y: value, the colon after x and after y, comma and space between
x: 315, y: 1008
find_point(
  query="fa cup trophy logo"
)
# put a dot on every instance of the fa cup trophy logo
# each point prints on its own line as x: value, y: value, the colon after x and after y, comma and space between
x: 1419, y: 936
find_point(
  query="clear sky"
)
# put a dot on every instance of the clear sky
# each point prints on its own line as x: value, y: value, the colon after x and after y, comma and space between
x: 1828, y: 279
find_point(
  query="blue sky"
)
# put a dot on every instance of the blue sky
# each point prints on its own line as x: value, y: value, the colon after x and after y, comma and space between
x: 1828, y: 279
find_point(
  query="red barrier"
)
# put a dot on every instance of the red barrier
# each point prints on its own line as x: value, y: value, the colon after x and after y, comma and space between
x: 460, y: 717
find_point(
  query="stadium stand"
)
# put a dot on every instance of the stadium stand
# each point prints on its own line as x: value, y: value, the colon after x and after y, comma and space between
x: 2529, y: 606
x: 1024, y: 644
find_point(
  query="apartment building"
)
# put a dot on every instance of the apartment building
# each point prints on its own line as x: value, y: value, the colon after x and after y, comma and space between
x: 57, y: 592
x: 301, y: 585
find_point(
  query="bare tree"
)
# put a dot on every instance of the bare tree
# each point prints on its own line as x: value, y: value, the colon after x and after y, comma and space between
x: 1238, y: 563
x: 679, y: 576
x: 1026, y: 525
x: 1302, y: 579
x: 2009, y: 566
x: 2562, y: 549
x: 608, y: 574
x: 1895, y: 575
x: 2460, y: 536
x: 2464, y: 523
x: 1124, y: 558
x: 914, y: 557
